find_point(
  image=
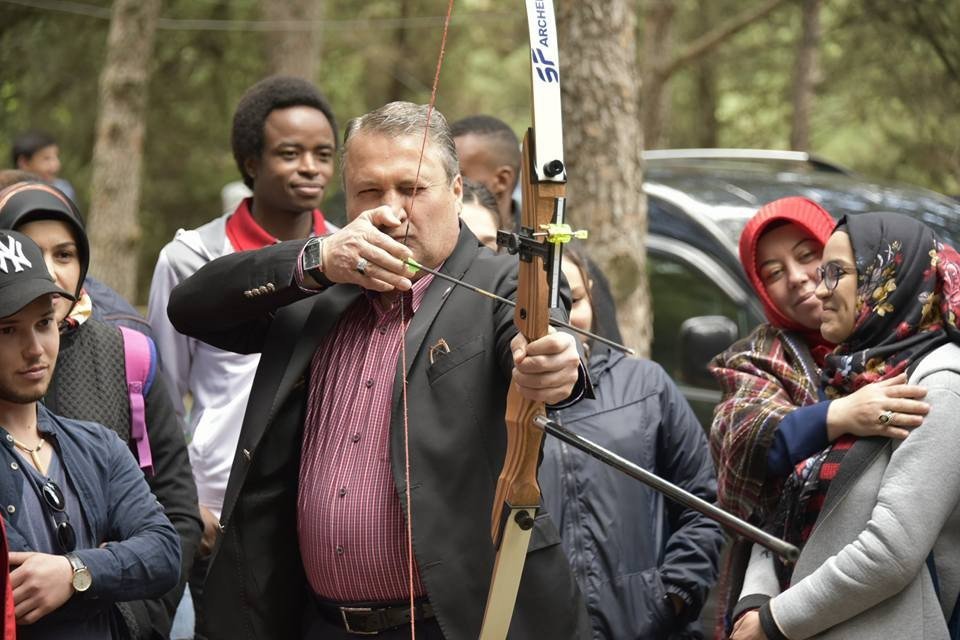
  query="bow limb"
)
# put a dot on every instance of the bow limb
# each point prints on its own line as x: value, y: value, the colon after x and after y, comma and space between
x: 542, y: 180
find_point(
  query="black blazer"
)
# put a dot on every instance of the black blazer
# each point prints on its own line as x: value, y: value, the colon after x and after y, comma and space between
x: 256, y: 588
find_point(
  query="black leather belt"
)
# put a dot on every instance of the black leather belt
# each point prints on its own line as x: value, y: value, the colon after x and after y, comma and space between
x: 371, y: 619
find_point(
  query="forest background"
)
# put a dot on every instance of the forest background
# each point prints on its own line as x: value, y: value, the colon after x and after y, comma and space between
x: 871, y: 84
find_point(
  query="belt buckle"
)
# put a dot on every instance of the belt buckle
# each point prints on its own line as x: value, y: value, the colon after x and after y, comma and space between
x: 346, y: 621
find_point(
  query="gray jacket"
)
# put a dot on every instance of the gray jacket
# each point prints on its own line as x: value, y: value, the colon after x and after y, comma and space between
x: 863, y: 572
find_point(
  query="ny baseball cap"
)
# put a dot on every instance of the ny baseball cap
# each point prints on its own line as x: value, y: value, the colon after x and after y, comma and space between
x: 23, y: 273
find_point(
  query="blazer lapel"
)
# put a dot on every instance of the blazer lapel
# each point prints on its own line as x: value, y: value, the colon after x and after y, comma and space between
x: 437, y: 294
x: 294, y: 335
x: 323, y: 316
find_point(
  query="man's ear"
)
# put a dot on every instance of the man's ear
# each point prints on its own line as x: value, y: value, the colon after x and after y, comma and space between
x: 504, y: 179
x: 251, y: 165
x: 458, y: 187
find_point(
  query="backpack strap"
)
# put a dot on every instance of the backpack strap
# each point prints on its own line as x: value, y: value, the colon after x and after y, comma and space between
x: 139, y: 364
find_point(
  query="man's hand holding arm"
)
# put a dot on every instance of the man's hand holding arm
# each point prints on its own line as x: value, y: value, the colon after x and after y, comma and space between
x: 41, y: 583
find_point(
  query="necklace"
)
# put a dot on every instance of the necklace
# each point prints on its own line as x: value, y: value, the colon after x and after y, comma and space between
x: 34, y: 453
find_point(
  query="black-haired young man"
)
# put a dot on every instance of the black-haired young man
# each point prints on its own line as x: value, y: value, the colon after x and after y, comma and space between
x: 480, y: 213
x: 284, y: 142
x: 490, y: 154
x: 84, y: 530
x: 39, y: 153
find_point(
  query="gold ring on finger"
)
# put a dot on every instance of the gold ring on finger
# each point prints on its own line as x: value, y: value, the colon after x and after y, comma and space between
x: 885, y: 418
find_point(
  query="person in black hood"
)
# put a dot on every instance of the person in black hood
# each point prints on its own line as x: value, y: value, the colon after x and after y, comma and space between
x: 108, y: 305
x: 644, y: 563
x: 95, y: 380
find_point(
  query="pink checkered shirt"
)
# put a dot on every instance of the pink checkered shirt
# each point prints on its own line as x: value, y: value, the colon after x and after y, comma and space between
x: 350, y: 523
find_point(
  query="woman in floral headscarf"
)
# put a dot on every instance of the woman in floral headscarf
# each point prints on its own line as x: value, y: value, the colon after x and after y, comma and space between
x: 772, y: 414
x: 878, y: 518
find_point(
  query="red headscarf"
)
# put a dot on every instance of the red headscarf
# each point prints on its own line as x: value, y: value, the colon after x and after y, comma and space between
x: 807, y: 215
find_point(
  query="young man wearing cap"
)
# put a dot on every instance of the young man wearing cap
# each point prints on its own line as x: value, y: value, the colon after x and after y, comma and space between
x: 83, y: 528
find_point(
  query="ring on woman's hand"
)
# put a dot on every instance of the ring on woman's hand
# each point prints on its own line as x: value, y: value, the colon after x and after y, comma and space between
x: 885, y: 417
x: 362, y: 266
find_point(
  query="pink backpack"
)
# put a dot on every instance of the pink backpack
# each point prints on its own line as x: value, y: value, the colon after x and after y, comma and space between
x: 139, y: 364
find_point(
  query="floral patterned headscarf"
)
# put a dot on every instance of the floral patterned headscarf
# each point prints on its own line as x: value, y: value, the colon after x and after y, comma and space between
x: 908, y: 300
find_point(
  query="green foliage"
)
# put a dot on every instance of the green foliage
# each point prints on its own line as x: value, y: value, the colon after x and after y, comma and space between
x: 886, y: 106
x: 52, y: 60
x: 886, y: 103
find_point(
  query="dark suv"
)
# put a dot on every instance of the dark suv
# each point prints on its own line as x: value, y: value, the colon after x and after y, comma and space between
x: 698, y: 201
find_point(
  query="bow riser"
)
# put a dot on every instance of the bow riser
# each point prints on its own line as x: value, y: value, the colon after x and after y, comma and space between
x: 517, y: 486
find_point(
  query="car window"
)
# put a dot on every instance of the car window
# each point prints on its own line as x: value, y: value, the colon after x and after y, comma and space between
x: 680, y: 291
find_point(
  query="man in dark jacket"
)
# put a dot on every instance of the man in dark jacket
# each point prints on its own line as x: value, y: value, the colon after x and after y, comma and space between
x: 315, y: 525
x: 97, y: 379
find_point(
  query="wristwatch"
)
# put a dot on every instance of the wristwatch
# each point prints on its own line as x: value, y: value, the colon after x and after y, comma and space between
x: 82, y: 579
x: 311, y: 261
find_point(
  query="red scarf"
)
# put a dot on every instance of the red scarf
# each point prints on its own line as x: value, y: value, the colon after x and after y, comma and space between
x: 9, y: 628
x: 246, y: 234
x: 811, y: 217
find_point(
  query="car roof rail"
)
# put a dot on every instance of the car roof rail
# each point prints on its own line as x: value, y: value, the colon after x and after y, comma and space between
x: 816, y: 162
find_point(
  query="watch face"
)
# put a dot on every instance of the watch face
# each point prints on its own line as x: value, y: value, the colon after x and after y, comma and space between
x: 82, y: 579
x: 311, y: 255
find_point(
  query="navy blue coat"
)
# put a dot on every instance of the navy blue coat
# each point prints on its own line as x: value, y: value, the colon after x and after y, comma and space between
x: 141, y: 558
x: 627, y: 544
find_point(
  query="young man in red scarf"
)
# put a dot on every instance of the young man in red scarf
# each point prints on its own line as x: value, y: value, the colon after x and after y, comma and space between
x: 284, y: 142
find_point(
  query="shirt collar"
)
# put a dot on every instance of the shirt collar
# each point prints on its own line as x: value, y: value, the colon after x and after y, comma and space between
x: 246, y: 234
x: 411, y: 299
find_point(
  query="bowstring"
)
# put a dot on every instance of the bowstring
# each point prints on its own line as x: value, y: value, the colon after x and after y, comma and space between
x: 403, y: 342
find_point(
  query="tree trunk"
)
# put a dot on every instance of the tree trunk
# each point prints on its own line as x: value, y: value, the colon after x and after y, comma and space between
x: 294, y: 52
x: 118, y: 149
x: 657, y: 47
x: 399, y: 87
x: 805, y: 76
x: 604, y: 151
x: 707, y: 125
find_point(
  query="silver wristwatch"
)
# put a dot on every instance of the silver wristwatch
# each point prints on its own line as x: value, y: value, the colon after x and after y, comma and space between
x: 82, y: 579
x: 311, y: 260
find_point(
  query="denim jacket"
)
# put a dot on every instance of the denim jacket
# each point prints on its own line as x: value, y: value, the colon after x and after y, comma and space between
x: 141, y: 557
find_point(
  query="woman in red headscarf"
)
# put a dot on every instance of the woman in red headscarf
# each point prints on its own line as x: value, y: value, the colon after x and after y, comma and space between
x: 772, y: 414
